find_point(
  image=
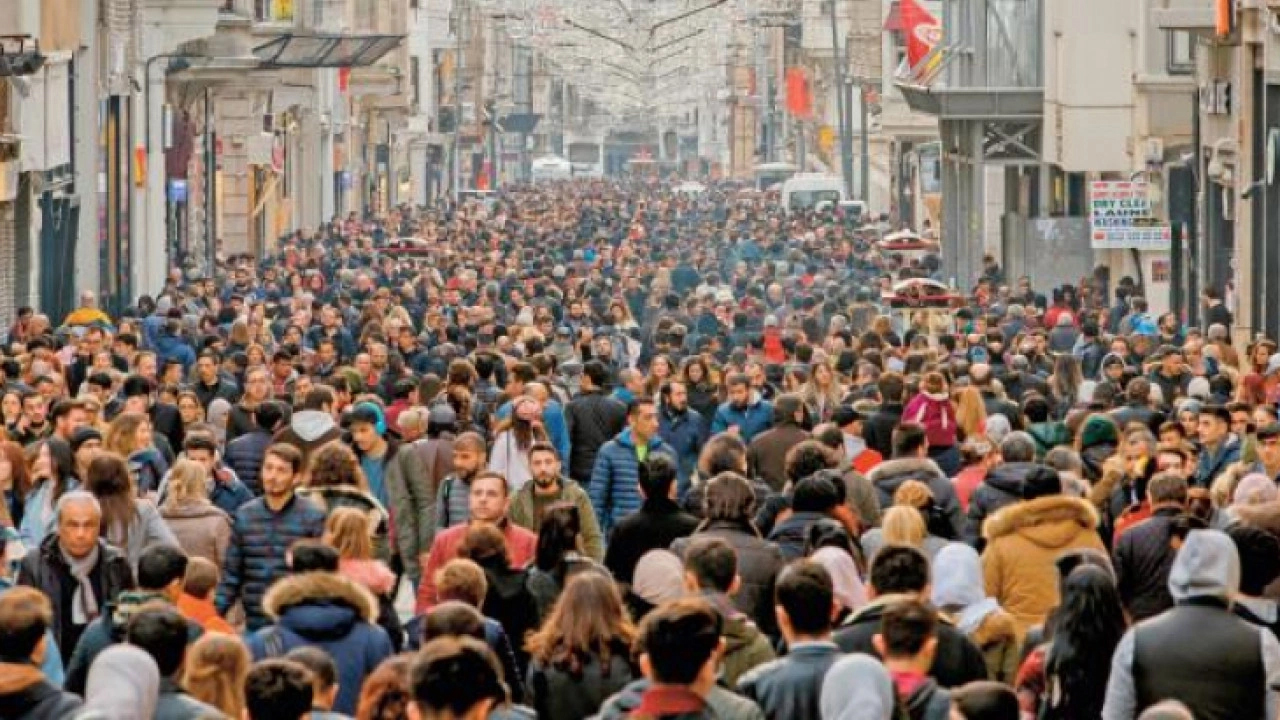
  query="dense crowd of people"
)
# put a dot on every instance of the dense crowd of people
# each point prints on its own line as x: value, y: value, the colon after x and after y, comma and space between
x: 603, y: 449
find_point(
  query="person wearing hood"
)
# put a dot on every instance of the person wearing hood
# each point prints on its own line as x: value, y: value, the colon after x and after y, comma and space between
x: 911, y: 462
x: 1043, y: 429
x: 1003, y: 484
x: 1099, y: 439
x: 960, y: 595
x: 25, y: 692
x: 711, y: 571
x: 124, y: 684
x: 932, y: 408
x: 745, y: 413
x: 312, y: 425
x: 160, y: 575
x: 858, y: 687
x: 1025, y: 538
x: 326, y: 610
x: 1231, y: 669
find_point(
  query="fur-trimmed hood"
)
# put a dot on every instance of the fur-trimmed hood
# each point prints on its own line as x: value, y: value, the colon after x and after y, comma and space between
x: 1054, y: 521
x: 895, y: 472
x: 319, y: 589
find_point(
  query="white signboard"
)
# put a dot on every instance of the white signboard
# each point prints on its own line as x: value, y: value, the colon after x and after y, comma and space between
x: 1120, y: 218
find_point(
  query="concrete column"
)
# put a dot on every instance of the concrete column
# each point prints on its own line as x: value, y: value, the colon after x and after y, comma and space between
x: 151, y: 257
x: 1241, y: 274
x: 85, y: 155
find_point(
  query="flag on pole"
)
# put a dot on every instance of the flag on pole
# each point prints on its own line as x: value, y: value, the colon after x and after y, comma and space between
x: 799, y: 96
x: 922, y: 30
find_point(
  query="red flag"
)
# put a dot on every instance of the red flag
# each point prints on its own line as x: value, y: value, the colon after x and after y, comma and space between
x: 344, y: 79
x: 799, y: 96
x: 922, y: 29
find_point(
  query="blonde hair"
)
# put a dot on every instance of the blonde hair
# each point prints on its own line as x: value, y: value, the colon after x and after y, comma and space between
x: 347, y: 530
x: 913, y: 494
x: 903, y: 525
x: 214, y: 672
x: 122, y: 433
x: 187, y: 484
x: 971, y: 412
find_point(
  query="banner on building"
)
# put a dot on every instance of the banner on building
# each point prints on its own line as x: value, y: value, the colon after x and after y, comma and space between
x: 922, y: 31
x: 1120, y: 218
x: 799, y: 95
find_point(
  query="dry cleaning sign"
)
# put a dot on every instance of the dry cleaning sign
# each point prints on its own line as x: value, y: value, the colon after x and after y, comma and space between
x: 1120, y: 217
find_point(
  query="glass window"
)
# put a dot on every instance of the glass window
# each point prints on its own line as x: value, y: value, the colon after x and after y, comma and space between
x: 1182, y: 53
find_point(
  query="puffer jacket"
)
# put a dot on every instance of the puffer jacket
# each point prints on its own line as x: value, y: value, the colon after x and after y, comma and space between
x: 759, y: 562
x: 889, y: 475
x: 592, y: 419
x: 202, y: 529
x: 1047, y: 436
x: 1023, y: 542
x: 245, y: 454
x: 260, y: 538
x: 1001, y: 488
x: 615, y: 481
x: 413, y: 505
x: 330, y: 612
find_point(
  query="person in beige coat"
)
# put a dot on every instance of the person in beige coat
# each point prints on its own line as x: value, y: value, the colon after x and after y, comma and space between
x: 1024, y: 540
x: 202, y: 529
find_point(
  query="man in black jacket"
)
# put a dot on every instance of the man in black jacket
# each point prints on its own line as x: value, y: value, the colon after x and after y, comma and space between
x: 1143, y: 555
x: 898, y: 574
x: 593, y: 419
x: 878, y: 430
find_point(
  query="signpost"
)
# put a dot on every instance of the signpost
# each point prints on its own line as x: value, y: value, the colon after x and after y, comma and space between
x: 1120, y: 218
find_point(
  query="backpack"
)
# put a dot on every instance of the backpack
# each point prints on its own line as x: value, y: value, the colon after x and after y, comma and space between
x: 1144, y: 324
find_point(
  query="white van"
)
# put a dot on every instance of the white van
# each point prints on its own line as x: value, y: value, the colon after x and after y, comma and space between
x: 550, y: 168
x: 806, y: 190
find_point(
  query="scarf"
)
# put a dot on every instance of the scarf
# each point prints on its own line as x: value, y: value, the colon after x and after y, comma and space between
x: 84, y: 602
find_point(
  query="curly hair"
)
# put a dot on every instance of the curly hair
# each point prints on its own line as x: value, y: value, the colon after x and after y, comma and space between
x: 385, y: 693
x: 335, y: 464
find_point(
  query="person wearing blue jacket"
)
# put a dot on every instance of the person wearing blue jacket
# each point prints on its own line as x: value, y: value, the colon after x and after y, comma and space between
x: 552, y: 419
x: 684, y: 429
x: 745, y: 410
x: 615, y: 480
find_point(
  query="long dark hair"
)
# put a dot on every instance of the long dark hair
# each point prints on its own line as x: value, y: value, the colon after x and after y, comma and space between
x: 109, y: 481
x: 1087, y: 628
x: 558, y: 536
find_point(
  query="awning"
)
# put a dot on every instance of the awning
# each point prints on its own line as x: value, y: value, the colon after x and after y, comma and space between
x: 893, y: 23
x: 325, y: 50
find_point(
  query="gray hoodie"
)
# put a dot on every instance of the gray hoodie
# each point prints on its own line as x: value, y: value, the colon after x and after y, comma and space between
x: 857, y: 687
x: 1207, y: 566
x: 124, y: 684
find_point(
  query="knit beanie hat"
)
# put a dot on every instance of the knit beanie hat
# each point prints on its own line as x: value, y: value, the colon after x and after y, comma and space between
x: 1096, y: 431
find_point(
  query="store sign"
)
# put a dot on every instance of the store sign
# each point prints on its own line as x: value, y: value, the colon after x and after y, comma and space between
x: 1120, y: 218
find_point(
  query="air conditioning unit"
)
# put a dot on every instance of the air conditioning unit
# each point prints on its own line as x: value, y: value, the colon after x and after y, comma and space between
x: 1153, y: 151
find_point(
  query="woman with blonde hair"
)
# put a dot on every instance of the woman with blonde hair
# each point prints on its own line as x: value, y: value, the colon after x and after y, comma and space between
x: 203, y: 529
x: 347, y: 530
x: 214, y: 672
x: 971, y: 413
x: 130, y: 437
x: 906, y: 522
